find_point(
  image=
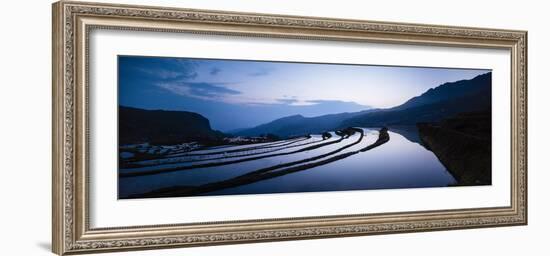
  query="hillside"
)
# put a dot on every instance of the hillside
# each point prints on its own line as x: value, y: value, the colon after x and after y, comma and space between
x: 299, y: 125
x: 434, y: 105
x: 163, y: 127
x: 463, y: 144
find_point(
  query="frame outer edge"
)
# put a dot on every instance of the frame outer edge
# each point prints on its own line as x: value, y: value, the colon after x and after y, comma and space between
x: 66, y: 239
x: 57, y: 246
x: 525, y: 107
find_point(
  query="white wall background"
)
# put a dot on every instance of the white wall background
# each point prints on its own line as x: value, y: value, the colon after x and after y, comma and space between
x: 25, y: 149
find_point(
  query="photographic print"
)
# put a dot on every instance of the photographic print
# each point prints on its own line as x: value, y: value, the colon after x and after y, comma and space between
x: 204, y: 127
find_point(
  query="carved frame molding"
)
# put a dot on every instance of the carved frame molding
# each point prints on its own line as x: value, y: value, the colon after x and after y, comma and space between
x: 72, y: 22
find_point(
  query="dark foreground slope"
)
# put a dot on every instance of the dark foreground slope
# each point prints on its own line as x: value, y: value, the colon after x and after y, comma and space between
x: 163, y: 127
x: 463, y: 144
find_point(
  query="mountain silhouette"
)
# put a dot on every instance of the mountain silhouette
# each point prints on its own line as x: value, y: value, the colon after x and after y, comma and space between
x: 172, y: 127
x: 433, y: 105
x: 296, y: 125
x: 163, y: 127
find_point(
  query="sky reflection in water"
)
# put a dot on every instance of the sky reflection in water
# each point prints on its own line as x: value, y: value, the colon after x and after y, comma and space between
x: 399, y: 163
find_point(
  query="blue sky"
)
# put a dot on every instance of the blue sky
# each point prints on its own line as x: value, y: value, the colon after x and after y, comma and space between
x: 239, y: 94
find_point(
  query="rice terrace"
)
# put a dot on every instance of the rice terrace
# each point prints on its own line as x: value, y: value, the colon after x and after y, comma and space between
x: 203, y: 127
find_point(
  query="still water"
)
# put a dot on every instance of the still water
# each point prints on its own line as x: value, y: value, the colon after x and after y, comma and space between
x: 400, y: 163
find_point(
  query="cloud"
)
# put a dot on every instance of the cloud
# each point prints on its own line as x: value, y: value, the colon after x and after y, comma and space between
x: 214, y: 71
x: 260, y: 73
x: 287, y: 101
x: 200, y: 90
x: 336, y: 102
x: 322, y: 101
x: 181, y: 77
x: 293, y: 101
x: 164, y: 68
x: 165, y: 74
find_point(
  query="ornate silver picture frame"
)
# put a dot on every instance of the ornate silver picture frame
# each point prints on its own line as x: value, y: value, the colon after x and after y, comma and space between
x: 73, y: 23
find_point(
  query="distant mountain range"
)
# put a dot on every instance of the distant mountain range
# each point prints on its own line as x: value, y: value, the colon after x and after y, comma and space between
x: 433, y: 105
x: 163, y: 127
x: 171, y: 127
x: 299, y: 125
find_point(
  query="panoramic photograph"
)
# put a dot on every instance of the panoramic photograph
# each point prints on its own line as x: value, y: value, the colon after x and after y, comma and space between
x: 216, y: 127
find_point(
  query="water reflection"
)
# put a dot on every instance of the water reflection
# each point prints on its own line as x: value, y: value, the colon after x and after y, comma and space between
x: 410, y: 132
x: 400, y: 163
